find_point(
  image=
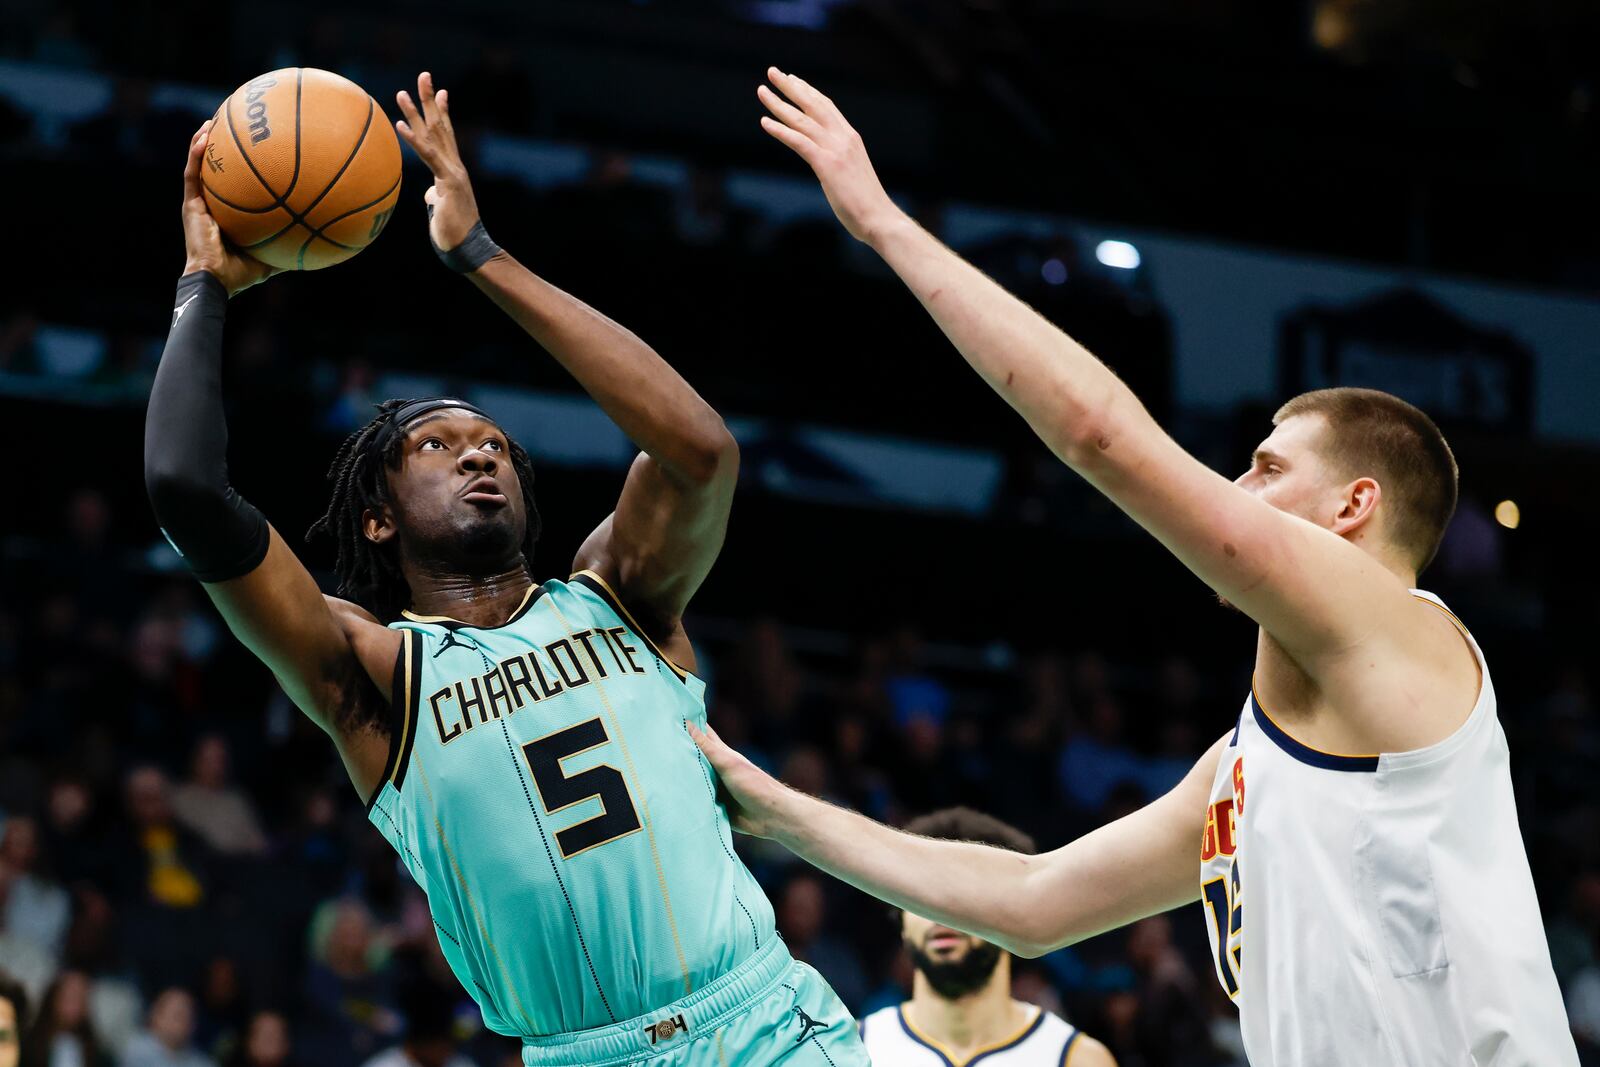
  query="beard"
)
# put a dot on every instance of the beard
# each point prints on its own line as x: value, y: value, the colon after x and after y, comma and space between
x: 953, y: 979
x: 473, y: 544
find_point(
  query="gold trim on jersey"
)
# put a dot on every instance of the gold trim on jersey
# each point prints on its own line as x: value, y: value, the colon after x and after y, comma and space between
x: 961, y: 1061
x: 627, y: 616
x: 407, y: 612
x: 1313, y: 748
x: 1447, y: 613
x: 638, y: 795
x: 466, y: 895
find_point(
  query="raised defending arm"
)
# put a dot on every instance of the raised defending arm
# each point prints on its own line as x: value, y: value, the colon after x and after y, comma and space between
x: 1311, y: 590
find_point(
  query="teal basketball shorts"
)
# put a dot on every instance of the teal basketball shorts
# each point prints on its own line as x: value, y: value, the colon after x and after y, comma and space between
x: 771, y: 1009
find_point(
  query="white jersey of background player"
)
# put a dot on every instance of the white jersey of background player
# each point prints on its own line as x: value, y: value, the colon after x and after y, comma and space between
x: 1377, y: 907
x: 961, y: 1010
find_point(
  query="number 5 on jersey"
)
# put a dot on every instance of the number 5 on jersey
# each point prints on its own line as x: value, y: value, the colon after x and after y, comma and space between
x: 559, y: 791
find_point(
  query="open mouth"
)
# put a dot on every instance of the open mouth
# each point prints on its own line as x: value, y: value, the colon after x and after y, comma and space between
x: 484, y: 491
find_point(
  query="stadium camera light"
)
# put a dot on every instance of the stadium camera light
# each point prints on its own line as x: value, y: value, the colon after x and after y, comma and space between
x: 1118, y: 254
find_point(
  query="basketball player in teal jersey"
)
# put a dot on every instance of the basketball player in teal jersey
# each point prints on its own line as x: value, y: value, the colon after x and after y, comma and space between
x: 522, y: 745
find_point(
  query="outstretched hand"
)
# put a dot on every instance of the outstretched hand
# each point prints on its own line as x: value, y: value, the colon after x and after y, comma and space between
x: 751, y: 792
x: 809, y: 123
x: 204, y: 246
x: 452, y: 209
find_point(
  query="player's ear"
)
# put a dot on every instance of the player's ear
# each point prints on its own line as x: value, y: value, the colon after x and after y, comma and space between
x: 1360, y: 502
x: 378, y: 524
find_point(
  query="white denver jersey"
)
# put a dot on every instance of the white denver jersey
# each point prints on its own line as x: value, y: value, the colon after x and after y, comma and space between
x: 1046, y: 1041
x: 1379, y: 909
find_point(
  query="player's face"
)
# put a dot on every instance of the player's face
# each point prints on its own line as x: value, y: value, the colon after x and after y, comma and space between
x: 1287, y: 471
x: 10, y: 1040
x: 954, y: 963
x: 457, y: 498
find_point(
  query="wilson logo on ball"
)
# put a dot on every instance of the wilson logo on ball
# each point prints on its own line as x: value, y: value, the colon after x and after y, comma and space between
x: 255, y: 109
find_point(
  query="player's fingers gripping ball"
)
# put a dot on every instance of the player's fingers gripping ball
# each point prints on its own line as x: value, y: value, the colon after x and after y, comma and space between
x: 301, y: 168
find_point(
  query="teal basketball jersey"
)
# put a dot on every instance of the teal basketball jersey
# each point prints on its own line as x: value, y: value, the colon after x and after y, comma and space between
x: 544, y: 791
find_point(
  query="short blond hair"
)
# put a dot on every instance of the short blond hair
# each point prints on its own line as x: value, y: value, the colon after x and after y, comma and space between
x: 1376, y: 435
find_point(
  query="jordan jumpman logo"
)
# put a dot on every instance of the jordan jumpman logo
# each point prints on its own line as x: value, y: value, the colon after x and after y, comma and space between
x: 810, y: 1024
x: 452, y: 641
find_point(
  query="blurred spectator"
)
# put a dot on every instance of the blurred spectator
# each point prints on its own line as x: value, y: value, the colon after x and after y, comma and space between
x: 13, y: 1013
x: 350, y: 1011
x: 913, y: 693
x: 221, y: 814
x: 802, y: 920
x: 430, y: 1039
x: 222, y: 1014
x: 166, y: 1041
x: 164, y: 874
x: 166, y: 860
x: 1583, y: 1007
x: 266, y: 1043
x: 62, y: 1035
x: 1095, y: 762
x: 71, y: 831
x: 36, y: 908
x: 28, y: 964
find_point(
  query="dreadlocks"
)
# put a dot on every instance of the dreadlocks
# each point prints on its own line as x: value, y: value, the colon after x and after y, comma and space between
x: 369, y: 574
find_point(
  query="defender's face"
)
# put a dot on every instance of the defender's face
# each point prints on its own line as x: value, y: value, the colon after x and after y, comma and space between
x: 456, y: 496
x: 1287, y: 471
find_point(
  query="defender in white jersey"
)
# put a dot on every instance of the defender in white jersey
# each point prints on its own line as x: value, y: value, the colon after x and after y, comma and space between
x: 1378, y: 907
x: 961, y: 1010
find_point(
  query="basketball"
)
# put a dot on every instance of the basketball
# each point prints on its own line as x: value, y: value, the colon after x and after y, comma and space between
x: 302, y: 168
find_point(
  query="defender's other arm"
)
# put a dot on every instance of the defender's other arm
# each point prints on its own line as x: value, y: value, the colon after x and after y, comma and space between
x: 669, y: 524
x: 263, y: 591
x: 1306, y: 586
x: 1144, y: 863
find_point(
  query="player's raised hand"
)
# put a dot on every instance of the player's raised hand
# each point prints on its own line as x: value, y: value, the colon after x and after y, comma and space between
x: 203, y: 243
x: 452, y: 209
x: 751, y: 792
x: 809, y: 123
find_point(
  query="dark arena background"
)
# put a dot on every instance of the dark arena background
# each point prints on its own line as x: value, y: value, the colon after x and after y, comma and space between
x: 917, y: 606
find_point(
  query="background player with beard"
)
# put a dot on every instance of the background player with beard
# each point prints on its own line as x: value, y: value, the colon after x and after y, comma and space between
x: 961, y: 1006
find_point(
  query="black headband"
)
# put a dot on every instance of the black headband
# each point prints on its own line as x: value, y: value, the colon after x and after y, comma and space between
x: 415, y: 409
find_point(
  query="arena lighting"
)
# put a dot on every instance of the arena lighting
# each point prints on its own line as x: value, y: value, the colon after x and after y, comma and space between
x: 1054, y: 271
x: 1507, y: 514
x: 1119, y: 254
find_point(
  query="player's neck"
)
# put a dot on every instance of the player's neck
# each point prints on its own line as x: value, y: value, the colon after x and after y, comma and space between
x: 983, y: 1018
x: 477, y: 600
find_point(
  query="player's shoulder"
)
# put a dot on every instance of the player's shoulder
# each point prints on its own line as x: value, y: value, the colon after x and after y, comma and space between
x: 883, y: 1029
x: 1084, y: 1051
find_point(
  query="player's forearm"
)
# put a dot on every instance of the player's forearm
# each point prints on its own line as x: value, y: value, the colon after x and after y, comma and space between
x: 642, y: 394
x: 1076, y: 405
x: 218, y: 533
x: 982, y: 890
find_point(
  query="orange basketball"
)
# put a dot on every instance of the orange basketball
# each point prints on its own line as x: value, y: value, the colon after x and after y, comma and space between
x: 302, y: 169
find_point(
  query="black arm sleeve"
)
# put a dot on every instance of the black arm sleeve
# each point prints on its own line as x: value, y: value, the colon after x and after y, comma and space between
x: 217, y: 532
